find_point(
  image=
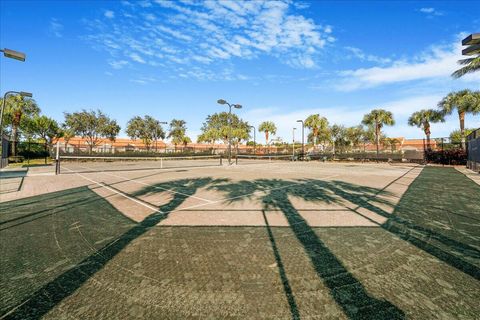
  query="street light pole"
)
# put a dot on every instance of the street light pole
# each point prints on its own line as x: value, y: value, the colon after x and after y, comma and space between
x: 303, y: 137
x: 254, y: 140
x: 237, y: 106
x: 293, y: 141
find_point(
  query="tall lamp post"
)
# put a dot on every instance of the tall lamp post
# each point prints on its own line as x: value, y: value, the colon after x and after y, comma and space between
x: 303, y: 137
x: 293, y: 142
x: 236, y: 106
x: 254, y: 139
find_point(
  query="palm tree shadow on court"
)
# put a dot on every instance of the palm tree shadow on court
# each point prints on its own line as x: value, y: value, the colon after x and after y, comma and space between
x: 47, y: 297
x: 405, y: 223
x: 345, y: 289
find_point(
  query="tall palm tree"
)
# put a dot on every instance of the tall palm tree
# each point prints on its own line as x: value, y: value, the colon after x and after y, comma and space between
x: 16, y: 108
x: 465, y: 101
x: 177, y: 131
x: 317, y: 124
x: 378, y: 118
x: 267, y: 127
x: 423, y: 118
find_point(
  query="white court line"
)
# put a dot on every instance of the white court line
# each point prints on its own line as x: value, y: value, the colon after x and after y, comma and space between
x: 193, y: 206
x: 157, y: 187
x: 249, y: 194
x: 146, y: 184
x: 118, y: 192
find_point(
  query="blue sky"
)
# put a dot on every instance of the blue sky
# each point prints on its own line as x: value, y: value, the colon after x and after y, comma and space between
x: 281, y: 60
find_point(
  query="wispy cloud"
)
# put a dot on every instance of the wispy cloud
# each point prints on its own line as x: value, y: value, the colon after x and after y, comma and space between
x: 436, y: 62
x: 212, y: 33
x: 55, y: 28
x: 430, y: 12
x: 109, y: 14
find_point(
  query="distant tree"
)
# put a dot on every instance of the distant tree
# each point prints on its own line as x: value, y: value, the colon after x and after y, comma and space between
x: 337, y: 134
x: 456, y: 135
x: 67, y: 134
x: 318, y: 125
x: 219, y: 126
x: 423, y: 118
x: 354, y: 136
x: 268, y: 127
x: 464, y: 101
x: 92, y: 125
x: 185, y: 141
x: 147, y: 129
x: 177, y: 131
x: 391, y: 143
x: 46, y: 128
x: 378, y: 118
x: 17, y: 108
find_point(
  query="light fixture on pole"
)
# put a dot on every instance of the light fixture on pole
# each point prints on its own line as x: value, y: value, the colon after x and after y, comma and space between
x: 303, y: 138
x: 12, y: 54
x: 254, y: 139
x: 236, y: 106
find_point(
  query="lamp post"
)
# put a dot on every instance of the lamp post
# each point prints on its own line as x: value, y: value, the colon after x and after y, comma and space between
x: 254, y: 140
x: 236, y: 106
x: 303, y: 137
x: 293, y: 142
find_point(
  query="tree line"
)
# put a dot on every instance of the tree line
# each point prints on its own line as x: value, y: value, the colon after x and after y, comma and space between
x: 23, y: 118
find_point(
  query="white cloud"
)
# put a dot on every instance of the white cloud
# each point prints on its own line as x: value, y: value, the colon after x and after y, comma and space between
x: 212, y: 33
x: 109, y: 14
x: 135, y: 57
x: 55, y: 28
x: 430, y: 12
x: 118, y: 64
x: 437, y: 62
x: 362, y: 56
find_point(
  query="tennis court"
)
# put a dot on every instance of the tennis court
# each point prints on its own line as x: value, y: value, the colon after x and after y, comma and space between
x: 264, y: 238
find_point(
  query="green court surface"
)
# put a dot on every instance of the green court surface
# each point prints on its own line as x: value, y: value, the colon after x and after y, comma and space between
x: 295, y: 241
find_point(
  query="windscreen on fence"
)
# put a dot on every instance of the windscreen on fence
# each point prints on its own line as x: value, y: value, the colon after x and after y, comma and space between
x: 473, y: 150
x: 86, y: 164
x: 4, y: 152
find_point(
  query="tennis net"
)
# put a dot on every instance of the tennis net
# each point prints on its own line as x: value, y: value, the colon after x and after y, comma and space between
x: 253, y: 159
x: 79, y: 164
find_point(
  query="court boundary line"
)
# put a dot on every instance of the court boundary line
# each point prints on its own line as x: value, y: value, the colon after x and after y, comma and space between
x: 101, y: 184
x: 145, y: 184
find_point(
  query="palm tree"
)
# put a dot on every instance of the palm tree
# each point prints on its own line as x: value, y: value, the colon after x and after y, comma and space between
x: 16, y: 108
x: 177, y: 131
x: 470, y: 65
x: 267, y: 127
x: 465, y: 101
x: 317, y: 124
x: 422, y: 119
x: 378, y: 118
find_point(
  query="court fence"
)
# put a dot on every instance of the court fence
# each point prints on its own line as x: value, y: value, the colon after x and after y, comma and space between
x: 4, y: 151
x: 473, y: 151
